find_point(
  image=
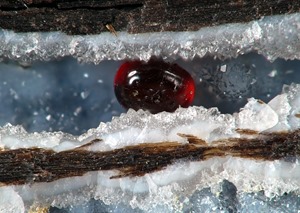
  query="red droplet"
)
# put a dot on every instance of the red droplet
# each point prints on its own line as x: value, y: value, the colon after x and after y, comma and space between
x: 155, y: 86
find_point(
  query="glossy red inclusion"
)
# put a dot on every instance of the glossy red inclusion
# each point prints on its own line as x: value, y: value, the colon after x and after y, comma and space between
x: 155, y: 86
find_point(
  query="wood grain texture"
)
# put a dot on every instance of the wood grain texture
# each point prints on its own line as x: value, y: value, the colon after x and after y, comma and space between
x: 21, y: 166
x: 134, y: 16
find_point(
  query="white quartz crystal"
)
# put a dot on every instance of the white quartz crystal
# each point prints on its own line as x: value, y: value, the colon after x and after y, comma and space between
x: 273, y: 37
x: 256, y: 116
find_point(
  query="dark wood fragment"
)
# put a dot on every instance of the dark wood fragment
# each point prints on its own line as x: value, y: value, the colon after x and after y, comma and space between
x: 134, y: 16
x: 32, y: 165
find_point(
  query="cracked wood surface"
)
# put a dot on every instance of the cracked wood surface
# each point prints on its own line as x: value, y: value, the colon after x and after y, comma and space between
x: 134, y: 16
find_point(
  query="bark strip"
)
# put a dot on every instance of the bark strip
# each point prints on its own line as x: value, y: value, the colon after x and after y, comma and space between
x: 33, y: 165
x: 134, y: 16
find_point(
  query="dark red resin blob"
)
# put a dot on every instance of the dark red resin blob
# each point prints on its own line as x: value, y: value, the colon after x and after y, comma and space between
x: 155, y: 86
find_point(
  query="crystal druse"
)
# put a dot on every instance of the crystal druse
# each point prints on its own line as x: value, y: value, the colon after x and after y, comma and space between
x: 192, y: 160
x: 273, y: 37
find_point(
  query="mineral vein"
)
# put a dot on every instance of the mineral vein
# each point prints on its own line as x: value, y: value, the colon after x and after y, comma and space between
x: 33, y: 165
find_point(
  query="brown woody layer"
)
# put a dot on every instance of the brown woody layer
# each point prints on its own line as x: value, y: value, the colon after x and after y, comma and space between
x: 32, y: 165
x: 135, y: 16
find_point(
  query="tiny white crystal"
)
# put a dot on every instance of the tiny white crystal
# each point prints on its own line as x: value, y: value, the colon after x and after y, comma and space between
x: 281, y: 106
x: 256, y: 116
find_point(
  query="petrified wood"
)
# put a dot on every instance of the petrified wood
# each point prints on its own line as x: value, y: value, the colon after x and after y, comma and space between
x: 134, y: 16
x: 21, y: 166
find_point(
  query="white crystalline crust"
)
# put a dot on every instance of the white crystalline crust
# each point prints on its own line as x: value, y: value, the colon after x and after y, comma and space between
x: 171, y: 185
x: 273, y: 37
x: 280, y: 114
